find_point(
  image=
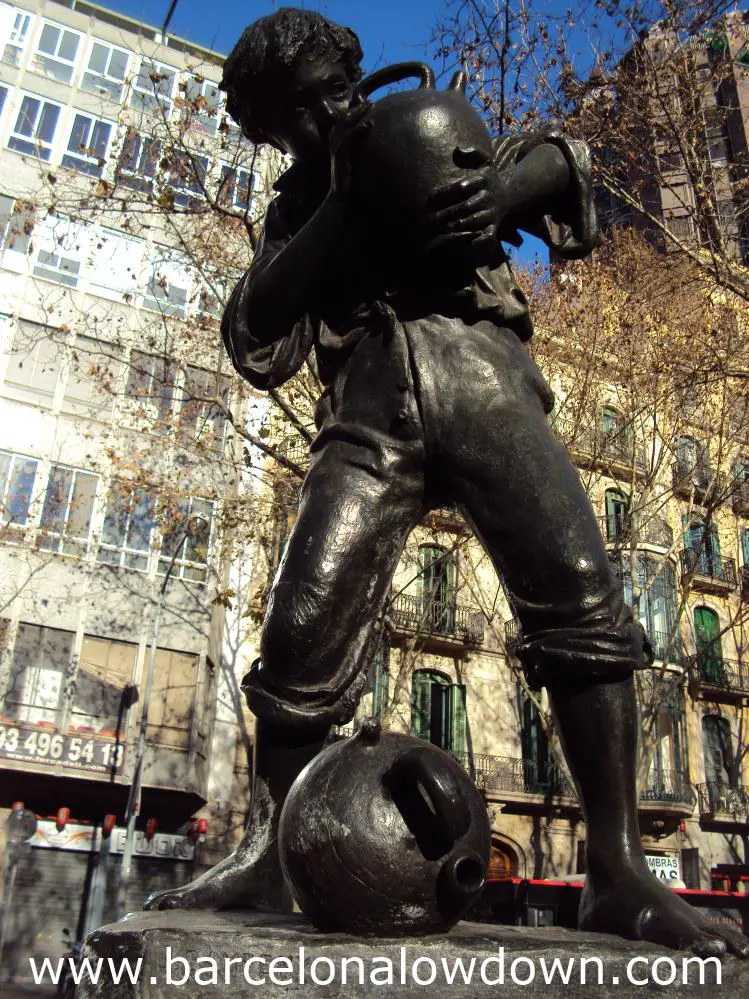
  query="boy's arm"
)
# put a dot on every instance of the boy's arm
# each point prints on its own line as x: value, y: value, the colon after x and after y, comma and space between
x: 263, y: 360
x: 546, y: 188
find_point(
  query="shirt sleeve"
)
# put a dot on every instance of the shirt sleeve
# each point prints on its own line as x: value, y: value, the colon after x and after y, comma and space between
x: 265, y: 365
x: 574, y: 231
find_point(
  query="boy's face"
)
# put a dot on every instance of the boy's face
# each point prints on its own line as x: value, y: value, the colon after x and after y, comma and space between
x: 302, y: 113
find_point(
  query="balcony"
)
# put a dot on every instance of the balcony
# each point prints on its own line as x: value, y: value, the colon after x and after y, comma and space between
x: 653, y: 531
x: 612, y: 449
x: 509, y: 777
x: 717, y: 675
x: 721, y: 803
x: 513, y: 636
x: 694, y: 479
x: 667, y: 793
x: 438, y: 620
x: 667, y: 648
x: 711, y: 573
x: 741, y: 499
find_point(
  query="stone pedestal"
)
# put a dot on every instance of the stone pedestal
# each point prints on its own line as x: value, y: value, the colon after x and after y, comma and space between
x: 192, y: 955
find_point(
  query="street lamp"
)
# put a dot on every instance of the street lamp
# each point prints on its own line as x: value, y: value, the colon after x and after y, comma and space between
x: 194, y: 526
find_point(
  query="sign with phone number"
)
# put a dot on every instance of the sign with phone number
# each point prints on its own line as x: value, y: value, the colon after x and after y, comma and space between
x: 41, y: 746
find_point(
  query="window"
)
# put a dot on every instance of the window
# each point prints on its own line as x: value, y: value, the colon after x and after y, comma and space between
x: 34, y: 129
x: 702, y: 554
x: 41, y: 661
x: 34, y: 363
x: 106, y: 72
x: 204, y: 99
x: 376, y: 690
x: 16, y: 226
x: 657, y: 605
x: 151, y: 379
x: 3, y: 98
x: 438, y: 710
x: 708, y: 645
x: 717, y: 749
x: 534, y: 744
x: 437, y: 589
x: 128, y: 528
x: 139, y: 161
x: 236, y: 187
x: 669, y: 762
x: 745, y: 546
x: 105, y: 668
x: 187, y: 175
x: 172, y: 698
x: 114, y: 262
x: 56, y: 52
x: 199, y: 417
x: 60, y: 250
x: 66, y: 514
x: 92, y: 371
x: 19, y: 35
x: 17, y: 475
x: 87, y: 145
x: 153, y: 87
x: 689, y: 454
x: 186, y: 539
x: 616, y: 514
x: 169, y: 281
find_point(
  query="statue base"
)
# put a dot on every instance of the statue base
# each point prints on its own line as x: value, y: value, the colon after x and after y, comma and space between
x: 197, y: 955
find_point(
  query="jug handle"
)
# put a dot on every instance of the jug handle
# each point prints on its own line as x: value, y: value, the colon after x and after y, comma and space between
x: 443, y: 792
x: 394, y: 74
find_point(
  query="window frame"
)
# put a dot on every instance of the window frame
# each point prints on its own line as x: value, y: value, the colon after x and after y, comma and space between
x: 104, y: 91
x: 22, y: 34
x: 128, y: 556
x: 81, y: 158
x: 6, y: 488
x: 32, y: 144
x: 40, y: 58
x: 63, y: 542
x: 188, y: 569
x: 150, y: 100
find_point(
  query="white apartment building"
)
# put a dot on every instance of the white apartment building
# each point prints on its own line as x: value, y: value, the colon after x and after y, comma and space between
x: 124, y: 196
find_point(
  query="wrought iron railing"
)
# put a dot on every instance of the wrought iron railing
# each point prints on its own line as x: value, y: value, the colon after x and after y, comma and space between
x: 516, y: 775
x: 705, y: 563
x: 617, y: 445
x: 435, y: 617
x: 710, y: 668
x: 653, y: 531
x: 666, y: 647
x: 513, y: 635
x: 296, y: 449
x: 717, y: 798
x: 668, y: 786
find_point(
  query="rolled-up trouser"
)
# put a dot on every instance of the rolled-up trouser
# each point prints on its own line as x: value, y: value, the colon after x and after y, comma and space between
x: 483, y: 441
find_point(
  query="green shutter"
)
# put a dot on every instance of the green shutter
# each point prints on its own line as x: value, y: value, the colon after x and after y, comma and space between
x: 707, y: 640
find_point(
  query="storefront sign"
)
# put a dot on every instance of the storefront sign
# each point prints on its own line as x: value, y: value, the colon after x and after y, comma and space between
x: 665, y: 868
x: 80, y: 752
x: 161, y: 846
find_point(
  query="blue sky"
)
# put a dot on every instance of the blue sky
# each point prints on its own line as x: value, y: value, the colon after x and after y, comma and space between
x: 390, y: 30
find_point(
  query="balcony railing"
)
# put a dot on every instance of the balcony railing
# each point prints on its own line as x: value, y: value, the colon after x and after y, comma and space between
x: 668, y: 786
x: 667, y: 648
x: 707, y: 565
x: 741, y: 499
x: 437, y: 618
x: 607, y: 446
x: 653, y: 531
x: 513, y: 637
x: 717, y: 798
x: 699, y: 479
x: 715, y: 671
x: 517, y: 776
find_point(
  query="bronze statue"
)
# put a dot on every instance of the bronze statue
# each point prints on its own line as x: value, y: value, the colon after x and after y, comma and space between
x: 430, y: 397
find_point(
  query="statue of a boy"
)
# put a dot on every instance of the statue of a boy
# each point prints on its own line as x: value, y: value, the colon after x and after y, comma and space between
x: 430, y: 397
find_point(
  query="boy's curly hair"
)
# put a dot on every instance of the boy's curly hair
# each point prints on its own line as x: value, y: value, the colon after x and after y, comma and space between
x: 267, y: 53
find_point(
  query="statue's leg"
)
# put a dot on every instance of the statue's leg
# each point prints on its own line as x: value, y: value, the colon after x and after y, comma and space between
x: 359, y: 501
x: 529, y: 508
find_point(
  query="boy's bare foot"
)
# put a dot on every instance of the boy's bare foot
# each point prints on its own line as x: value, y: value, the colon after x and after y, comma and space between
x: 636, y: 905
x: 251, y: 876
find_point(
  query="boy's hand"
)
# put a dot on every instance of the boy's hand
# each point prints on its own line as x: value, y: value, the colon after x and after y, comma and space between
x: 467, y: 212
x: 343, y: 137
